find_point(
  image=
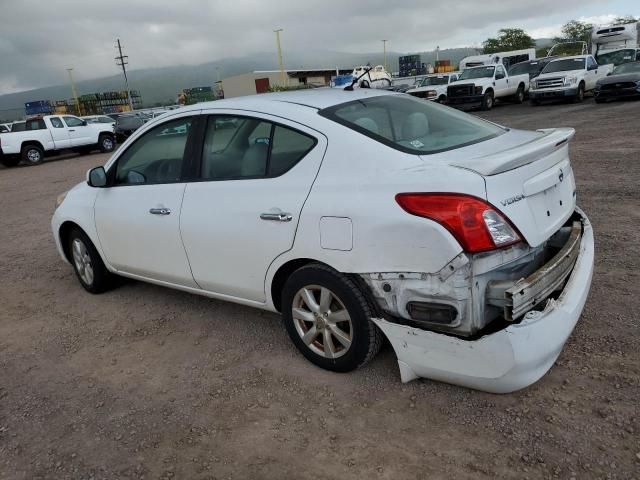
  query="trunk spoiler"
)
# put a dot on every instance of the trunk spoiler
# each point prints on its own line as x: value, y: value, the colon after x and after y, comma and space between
x: 523, y: 154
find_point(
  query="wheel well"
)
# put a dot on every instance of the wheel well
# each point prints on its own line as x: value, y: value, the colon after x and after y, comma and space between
x: 488, y: 90
x: 279, y: 279
x: 31, y: 142
x: 521, y: 85
x: 64, y: 232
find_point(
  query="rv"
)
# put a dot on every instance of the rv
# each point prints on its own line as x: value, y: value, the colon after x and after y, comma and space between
x: 616, y: 44
x: 505, y: 58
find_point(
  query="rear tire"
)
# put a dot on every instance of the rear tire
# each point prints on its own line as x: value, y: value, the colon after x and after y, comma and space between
x: 519, y: 96
x: 10, y: 160
x: 106, y: 143
x: 32, y: 154
x: 487, y: 101
x: 328, y: 319
x: 579, y: 98
x: 87, y: 263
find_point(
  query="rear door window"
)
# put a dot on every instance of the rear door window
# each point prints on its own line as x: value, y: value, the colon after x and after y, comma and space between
x: 237, y: 148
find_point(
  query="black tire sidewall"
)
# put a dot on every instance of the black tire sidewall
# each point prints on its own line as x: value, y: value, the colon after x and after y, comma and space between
x: 355, y: 304
x: 487, y: 101
x: 520, y: 95
x: 101, y: 276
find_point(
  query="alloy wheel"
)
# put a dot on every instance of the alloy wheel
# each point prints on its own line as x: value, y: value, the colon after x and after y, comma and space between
x: 82, y: 261
x: 322, y: 321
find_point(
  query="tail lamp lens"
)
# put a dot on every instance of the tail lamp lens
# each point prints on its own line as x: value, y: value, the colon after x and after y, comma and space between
x: 475, y: 224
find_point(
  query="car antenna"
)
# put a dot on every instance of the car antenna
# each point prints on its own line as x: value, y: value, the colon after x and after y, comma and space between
x: 349, y: 88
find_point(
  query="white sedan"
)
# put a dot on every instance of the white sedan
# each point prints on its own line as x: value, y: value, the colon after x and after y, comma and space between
x: 357, y: 215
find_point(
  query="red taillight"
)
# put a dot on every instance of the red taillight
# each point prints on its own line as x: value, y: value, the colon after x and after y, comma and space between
x: 473, y: 222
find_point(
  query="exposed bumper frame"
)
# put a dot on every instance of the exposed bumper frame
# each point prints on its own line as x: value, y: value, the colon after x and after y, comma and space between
x: 507, y: 360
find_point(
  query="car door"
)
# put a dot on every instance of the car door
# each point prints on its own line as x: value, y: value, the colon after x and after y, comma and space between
x: 59, y: 133
x: 591, y: 76
x: 138, y: 216
x: 255, y: 173
x: 501, y: 82
x: 80, y: 133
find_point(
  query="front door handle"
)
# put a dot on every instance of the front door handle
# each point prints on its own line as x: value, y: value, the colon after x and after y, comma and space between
x: 277, y: 217
x: 72, y: 130
x: 160, y: 211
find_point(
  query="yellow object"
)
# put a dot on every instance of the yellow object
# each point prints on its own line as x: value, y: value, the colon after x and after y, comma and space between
x: 283, y: 78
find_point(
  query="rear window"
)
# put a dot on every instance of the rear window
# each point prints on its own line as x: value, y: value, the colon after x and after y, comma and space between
x: 35, y: 125
x: 412, y: 125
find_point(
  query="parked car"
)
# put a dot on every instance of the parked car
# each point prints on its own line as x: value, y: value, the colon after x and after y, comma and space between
x: 356, y: 214
x: 623, y: 82
x: 32, y: 140
x: 128, y: 123
x: 530, y: 67
x: 567, y: 78
x: 481, y: 86
x: 434, y: 86
x: 99, y: 119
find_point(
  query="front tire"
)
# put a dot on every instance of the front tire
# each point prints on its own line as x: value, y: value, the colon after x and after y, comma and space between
x: 32, y: 154
x: 86, y: 261
x: 442, y: 99
x: 106, y: 143
x: 487, y: 101
x: 328, y: 319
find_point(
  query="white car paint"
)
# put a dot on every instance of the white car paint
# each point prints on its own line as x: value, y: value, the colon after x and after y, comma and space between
x: 340, y: 198
x: 557, y: 84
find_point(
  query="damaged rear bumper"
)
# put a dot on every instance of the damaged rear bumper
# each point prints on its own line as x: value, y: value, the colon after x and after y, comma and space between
x: 509, y: 359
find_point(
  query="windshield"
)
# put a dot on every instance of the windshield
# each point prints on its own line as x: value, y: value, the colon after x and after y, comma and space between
x: 434, y: 81
x: 412, y: 125
x: 564, y: 65
x: 522, y: 68
x: 633, y: 67
x: 479, y: 72
x: 617, y: 58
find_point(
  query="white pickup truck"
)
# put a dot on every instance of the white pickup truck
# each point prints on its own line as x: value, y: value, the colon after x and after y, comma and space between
x: 481, y: 86
x: 434, y: 86
x: 567, y: 78
x: 52, y: 134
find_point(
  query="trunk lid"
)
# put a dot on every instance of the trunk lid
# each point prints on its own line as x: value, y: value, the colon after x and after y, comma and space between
x: 531, y: 183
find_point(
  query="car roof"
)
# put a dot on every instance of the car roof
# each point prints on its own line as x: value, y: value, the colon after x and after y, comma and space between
x: 316, y: 98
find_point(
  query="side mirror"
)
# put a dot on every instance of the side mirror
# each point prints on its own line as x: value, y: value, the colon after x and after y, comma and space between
x: 84, y: 123
x: 97, y: 177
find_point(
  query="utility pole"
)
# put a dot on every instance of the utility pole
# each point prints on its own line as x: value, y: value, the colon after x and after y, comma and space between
x: 121, y: 61
x: 74, y: 92
x: 384, y: 48
x: 283, y: 78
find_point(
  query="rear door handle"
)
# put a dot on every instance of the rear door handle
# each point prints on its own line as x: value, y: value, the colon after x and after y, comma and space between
x: 160, y: 211
x: 277, y: 217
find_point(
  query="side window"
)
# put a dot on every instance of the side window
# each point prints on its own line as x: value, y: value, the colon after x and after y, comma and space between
x: 235, y: 147
x: 155, y: 157
x: 72, y: 121
x: 37, y: 124
x: 56, y: 122
x: 499, y: 72
x: 243, y: 147
x: 287, y: 148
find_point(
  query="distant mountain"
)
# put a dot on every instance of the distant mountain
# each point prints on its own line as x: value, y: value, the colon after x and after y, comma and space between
x: 161, y: 85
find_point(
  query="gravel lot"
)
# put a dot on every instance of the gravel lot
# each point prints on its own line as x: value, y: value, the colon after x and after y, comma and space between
x: 146, y: 382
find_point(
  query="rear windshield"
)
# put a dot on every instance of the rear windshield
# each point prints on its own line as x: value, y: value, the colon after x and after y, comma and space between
x: 564, y: 65
x: 412, y: 125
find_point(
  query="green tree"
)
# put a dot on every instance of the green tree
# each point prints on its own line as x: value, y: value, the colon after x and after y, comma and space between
x: 508, y: 39
x: 575, y: 31
x: 625, y: 19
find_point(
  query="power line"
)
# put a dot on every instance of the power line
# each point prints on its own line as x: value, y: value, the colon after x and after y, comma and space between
x: 122, y: 61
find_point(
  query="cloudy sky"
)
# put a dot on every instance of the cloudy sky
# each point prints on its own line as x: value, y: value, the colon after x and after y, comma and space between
x: 40, y: 39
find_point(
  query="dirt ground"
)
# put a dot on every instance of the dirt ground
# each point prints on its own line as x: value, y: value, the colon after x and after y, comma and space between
x: 146, y: 382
